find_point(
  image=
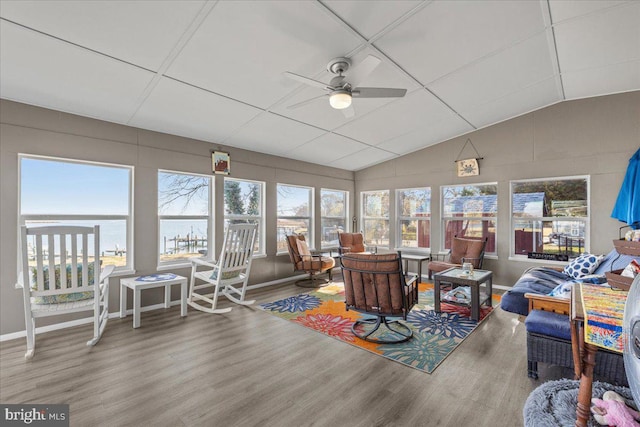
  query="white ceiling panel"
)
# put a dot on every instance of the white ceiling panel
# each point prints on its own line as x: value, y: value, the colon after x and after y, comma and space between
x: 273, y: 134
x: 438, y: 126
x: 179, y: 109
x: 517, y: 103
x: 561, y: 10
x: 498, y: 75
x: 447, y: 35
x: 243, y: 47
x: 399, y: 117
x: 220, y: 66
x: 320, y: 113
x: 40, y: 70
x: 600, y: 39
x: 139, y: 32
x: 326, y: 149
x: 362, y: 159
x: 603, y: 80
x: 368, y: 18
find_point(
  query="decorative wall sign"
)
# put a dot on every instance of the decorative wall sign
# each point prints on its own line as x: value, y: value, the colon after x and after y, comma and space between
x: 468, y: 167
x: 221, y: 162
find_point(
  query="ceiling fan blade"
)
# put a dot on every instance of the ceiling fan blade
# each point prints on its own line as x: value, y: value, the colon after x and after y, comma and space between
x: 362, y: 70
x: 308, y: 101
x: 307, y: 80
x: 349, y: 111
x: 377, y: 92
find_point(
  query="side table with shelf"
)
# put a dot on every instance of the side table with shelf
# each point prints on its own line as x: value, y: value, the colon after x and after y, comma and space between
x: 455, y: 277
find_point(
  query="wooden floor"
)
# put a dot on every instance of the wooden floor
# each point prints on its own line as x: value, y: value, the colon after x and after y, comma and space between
x: 249, y: 368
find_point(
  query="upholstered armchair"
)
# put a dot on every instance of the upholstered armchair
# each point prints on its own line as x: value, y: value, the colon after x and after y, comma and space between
x: 311, y: 263
x: 375, y: 284
x: 462, y: 250
x: 353, y: 242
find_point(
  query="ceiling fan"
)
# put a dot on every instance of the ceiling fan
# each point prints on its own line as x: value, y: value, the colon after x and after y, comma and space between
x: 341, y: 89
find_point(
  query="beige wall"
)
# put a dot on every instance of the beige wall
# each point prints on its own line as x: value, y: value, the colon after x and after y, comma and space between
x: 32, y: 130
x: 594, y: 137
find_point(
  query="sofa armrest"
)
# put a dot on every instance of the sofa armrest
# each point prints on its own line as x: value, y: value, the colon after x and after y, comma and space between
x: 547, y: 303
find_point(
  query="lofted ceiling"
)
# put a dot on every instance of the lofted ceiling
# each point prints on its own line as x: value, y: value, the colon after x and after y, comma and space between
x: 213, y: 70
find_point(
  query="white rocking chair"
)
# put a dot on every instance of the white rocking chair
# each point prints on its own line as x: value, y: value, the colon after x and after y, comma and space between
x: 232, y: 268
x: 73, y: 288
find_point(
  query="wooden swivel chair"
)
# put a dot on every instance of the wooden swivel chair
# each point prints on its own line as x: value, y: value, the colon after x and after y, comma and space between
x: 375, y: 284
x: 462, y: 250
x: 353, y: 243
x: 313, y: 264
x: 60, y: 279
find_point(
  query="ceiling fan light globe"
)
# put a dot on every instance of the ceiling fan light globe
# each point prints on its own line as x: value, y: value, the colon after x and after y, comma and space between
x: 340, y: 100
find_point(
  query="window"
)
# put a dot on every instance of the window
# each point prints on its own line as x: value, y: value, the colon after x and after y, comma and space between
x: 414, y: 218
x: 375, y: 217
x: 183, y: 216
x: 333, y: 220
x: 244, y: 203
x: 295, y: 207
x: 550, y: 216
x: 67, y: 192
x: 470, y: 211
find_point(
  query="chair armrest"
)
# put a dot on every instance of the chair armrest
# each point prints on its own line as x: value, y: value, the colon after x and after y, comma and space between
x: 106, y: 272
x: 410, y: 278
x: 547, y: 303
x: 200, y: 261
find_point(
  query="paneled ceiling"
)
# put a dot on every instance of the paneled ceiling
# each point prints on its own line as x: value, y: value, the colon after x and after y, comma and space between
x: 213, y: 70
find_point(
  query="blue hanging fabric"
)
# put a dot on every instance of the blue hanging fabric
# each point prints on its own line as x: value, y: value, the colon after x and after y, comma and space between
x: 627, y: 207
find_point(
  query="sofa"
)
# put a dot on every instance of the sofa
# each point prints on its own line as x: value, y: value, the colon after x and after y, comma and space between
x: 547, y: 323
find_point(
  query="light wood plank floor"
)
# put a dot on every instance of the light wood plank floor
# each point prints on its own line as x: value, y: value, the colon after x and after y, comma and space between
x: 248, y: 368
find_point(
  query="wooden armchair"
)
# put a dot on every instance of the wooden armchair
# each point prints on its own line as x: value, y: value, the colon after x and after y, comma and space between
x: 462, y: 250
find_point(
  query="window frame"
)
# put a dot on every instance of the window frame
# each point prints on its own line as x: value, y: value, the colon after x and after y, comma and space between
x: 585, y: 220
x: 128, y: 268
x: 400, y: 218
x: 345, y: 217
x: 311, y: 217
x: 444, y: 219
x: 260, y: 219
x: 363, y: 217
x: 164, y: 265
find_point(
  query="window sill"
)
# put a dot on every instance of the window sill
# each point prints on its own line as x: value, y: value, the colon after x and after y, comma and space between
x: 536, y: 261
x: 127, y: 272
x: 166, y: 267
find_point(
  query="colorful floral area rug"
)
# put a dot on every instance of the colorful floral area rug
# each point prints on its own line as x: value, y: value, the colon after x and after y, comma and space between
x: 435, y: 335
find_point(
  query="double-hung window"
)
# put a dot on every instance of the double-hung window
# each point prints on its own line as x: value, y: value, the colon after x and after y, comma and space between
x: 295, y: 214
x: 375, y: 217
x: 333, y: 219
x: 550, y: 216
x: 244, y: 204
x: 184, y: 221
x: 470, y: 211
x: 413, y: 218
x: 68, y: 192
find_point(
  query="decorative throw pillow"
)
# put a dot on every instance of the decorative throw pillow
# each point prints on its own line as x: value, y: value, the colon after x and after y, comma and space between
x: 226, y: 275
x: 57, y: 299
x: 303, y: 248
x: 584, y: 265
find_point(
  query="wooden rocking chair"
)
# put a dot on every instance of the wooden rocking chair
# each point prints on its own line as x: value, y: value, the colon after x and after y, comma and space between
x: 232, y: 268
x: 73, y: 287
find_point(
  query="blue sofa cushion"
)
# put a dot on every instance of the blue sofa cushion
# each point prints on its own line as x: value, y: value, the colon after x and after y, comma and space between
x: 539, y: 280
x: 611, y: 262
x: 549, y: 324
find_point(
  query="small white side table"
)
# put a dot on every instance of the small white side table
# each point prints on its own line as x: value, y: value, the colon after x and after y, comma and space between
x: 137, y: 284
